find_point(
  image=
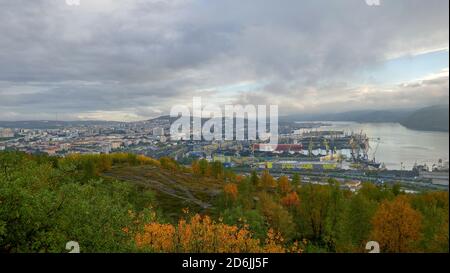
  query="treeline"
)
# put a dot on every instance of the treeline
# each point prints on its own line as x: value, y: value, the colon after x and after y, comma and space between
x: 48, y: 201
x: 203, y: 168
x: 327, y: 218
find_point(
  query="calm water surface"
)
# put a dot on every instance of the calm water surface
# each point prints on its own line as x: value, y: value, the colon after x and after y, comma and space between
x: 399, y: 144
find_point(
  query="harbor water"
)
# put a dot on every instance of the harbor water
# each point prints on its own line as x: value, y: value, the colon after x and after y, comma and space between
x: 398, y: 147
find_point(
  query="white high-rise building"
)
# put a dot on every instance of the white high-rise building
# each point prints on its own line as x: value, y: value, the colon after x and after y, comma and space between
x: 4, y: 133
x: 158, y: 131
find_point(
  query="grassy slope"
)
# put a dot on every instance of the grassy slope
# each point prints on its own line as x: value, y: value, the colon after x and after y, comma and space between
x: 173, y: 191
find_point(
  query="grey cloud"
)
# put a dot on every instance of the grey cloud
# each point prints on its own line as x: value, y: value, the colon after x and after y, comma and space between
x: 140, y: 55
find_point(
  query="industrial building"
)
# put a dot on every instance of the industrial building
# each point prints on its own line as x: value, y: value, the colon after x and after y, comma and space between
x: 278, y: 148
x: 300, y: 165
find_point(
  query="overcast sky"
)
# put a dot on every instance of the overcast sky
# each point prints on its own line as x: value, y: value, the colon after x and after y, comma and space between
x: 135, y: 59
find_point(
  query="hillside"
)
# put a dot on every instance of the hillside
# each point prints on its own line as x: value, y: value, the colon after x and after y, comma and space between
x: 355, y: 116
x: 53, y: 124
x: 132, y: 203
x: 173, y: 190
x: 433, y: 118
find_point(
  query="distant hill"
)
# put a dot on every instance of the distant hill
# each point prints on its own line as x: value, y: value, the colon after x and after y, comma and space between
x: 433, y: 118
x: 355, y: 116
x: 51, y: 124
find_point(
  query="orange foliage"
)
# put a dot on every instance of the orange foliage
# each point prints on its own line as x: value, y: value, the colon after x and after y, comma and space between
x: 239, y: 178
x: 203, y: 235
x: 396, y: 226
x: 276, y: 215
x: 291, y: 200
x: 195, y: 166
x: 158, y: 237
x: 231, y: 191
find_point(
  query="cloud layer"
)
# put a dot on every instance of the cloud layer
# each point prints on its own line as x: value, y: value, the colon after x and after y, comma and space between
x: 134, y: 59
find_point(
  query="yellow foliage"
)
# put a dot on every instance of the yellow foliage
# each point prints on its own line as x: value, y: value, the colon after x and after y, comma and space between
x: 144, y: 160
x: 231, y: 191
x: 203, y: 235
x: 267, y: 180
x: 396, y: 226
x: 284, y: 184
x: 159, y: 237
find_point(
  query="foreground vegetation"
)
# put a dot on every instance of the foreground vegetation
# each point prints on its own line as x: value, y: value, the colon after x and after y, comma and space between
x: 129, y: 203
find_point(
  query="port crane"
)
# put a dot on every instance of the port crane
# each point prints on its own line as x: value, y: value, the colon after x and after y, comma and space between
x: 310, y: 147
x: 360, y: 147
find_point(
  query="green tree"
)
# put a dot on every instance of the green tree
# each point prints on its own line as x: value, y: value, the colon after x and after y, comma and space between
x: 296, y: 181
x: 359, y: 220
x: 217, y: 170
x: 396, y: 189
x: 254, y: 178
x: 204, y: 167
x: 241, y: 217
x: 312, y: 212
x: 334, y: 232
x: 43, y: 207
x: 434, y: 207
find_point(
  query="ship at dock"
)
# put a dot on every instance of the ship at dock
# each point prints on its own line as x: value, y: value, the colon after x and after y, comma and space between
x: 438, y: 174
x: 360, y: 148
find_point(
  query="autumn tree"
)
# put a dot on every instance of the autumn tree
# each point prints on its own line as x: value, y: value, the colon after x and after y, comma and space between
x: 284, y: 185
x: 267, y: 181
x: 144, y: 160
x: 231, y: 191
x: 291, y: 200
x: 239, y: 178
x: 195, y: 166
x: 276, y: 215
x: 203, y: 235
x: 396, y: 226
